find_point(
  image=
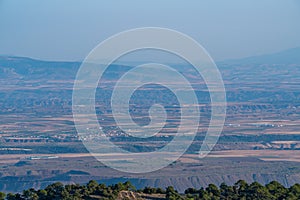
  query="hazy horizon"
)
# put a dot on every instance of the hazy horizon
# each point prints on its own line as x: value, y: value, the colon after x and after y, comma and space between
x: 68, y: 31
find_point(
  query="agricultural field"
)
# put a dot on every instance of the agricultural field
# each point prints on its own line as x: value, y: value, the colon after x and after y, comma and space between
x: 260, y: 140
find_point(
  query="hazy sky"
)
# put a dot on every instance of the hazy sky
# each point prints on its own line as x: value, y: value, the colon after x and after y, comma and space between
x: 69, y: 29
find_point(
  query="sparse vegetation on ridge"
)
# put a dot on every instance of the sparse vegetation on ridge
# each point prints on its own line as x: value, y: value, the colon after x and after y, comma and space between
x: 93, y: 190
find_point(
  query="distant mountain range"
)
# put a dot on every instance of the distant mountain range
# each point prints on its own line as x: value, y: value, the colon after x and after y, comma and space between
x: 23, y: 66
x: 289, y: 56
x: 27, y: 68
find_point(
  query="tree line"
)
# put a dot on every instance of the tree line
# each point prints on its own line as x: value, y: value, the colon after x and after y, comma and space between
x: 241, y: 190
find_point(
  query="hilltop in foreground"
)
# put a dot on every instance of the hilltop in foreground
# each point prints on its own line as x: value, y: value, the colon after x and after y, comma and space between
x: 120, y: 191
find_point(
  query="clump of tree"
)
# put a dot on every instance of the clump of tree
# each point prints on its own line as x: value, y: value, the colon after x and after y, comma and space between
x: 151, y: 190
x: 58, y: 191
x: 241, y: 190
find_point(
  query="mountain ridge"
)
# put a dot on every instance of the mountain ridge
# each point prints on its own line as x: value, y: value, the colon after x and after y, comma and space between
x: 288, y: 56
